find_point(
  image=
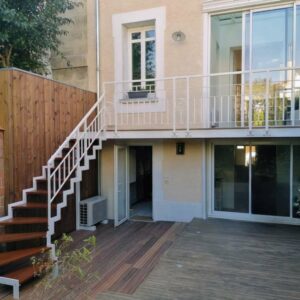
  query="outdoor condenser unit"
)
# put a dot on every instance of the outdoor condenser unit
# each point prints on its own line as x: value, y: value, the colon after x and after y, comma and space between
x: 93, y: 211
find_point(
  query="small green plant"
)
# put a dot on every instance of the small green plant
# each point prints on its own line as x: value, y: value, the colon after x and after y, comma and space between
x: 69, y: 269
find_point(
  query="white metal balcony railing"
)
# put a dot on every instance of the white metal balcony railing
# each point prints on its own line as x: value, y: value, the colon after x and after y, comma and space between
x: 257, y: 99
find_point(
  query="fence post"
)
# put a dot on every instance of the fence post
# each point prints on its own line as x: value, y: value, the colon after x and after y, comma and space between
x: 2, y: 191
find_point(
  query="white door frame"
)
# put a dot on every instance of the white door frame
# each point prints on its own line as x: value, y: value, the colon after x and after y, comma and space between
x: 118, y: 222
x: 142, y: 144
x: 211, y: 212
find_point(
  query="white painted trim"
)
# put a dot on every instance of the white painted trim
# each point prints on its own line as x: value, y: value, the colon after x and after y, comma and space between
x: 255, y: 218
x: 249, y: 216
x: 206, y: 67
x: 157, y: 162
x: 120, y: 21
x: 158, y: 15
x: 142, y: 41
x: 230, y: 5
x: 176, y: 211
x: 118, y: 222
x: 139, y: 144
x: 203, y: 179
x: 14, y: 283
x: 206, y: 134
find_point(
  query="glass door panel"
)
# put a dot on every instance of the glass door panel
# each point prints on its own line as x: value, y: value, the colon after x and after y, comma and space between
x: 296, y: 181
x: 271, y: 180
x: 297, y: 73
x: 226, y: 57
x: 272, y: 38
x: 269, y: 45
x: 232, y: 178
x: 121, y: 191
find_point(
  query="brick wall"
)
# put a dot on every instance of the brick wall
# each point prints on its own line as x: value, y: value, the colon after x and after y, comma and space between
x: 2, y: 210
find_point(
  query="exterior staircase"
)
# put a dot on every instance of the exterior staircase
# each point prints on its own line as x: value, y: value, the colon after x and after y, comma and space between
x: 31, y: 225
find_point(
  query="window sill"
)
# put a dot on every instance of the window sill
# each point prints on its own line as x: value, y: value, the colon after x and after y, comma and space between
x: 138, y: 100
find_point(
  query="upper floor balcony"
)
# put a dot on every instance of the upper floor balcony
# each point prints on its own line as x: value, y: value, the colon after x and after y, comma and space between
x: 239, y: 103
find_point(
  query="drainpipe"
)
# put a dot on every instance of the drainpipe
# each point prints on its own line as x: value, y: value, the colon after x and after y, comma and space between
x: 98, y: 48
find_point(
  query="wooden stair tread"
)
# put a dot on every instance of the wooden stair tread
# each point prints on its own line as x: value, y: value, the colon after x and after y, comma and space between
x: 23, y: 274
x: 15, y: 237
x: 24, y: 220
x: 14, y: 256
x: 41, y: 192
x: 33, y: 205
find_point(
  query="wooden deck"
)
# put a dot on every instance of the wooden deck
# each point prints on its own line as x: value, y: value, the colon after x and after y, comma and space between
x: 218, y: 259
x: 124, y: 258
x: 213, y: 259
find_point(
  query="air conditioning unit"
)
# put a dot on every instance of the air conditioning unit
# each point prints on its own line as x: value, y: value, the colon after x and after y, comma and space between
x: 93, y: 211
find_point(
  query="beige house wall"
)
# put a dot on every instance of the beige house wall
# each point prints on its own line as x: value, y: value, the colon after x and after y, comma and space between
x: 182, y: 58
x: 182, y: 173
x: 79, y: 47
x: 177, y: 179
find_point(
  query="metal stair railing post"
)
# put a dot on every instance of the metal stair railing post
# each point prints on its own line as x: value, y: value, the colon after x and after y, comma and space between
x: 72, y: 160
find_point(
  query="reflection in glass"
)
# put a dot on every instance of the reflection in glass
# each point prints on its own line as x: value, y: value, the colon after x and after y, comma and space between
x: 136, y: 36
x: 136, y: 61
x: 150, y: 33
x: 272, y: 39
x: 298, y: 37
x: 271, y: 180
x: 226, y: 56
x: 150, y: 59
x: 272, y: 47
x: 232, y: 178
x: 296, y: 181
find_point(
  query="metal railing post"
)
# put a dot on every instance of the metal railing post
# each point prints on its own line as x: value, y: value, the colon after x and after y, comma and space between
x: 250, y: 112
x: 174, y: 105
x: 188, y: 104
x: 49, y: 204
x: 267, y: 101
x: 115, y: 113
x: 293, y: 99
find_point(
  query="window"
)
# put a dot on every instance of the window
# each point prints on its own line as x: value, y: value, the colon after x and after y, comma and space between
x: 257, y: 51
x: 142, y: 58
x: 256, y: 179
x: 268, y: 35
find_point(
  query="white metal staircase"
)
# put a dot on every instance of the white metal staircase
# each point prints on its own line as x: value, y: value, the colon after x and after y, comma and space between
x: 63, y: 170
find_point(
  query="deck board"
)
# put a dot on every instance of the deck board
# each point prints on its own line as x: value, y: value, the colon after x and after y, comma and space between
x: 118, y: 251
x: 219, y: 259
x: 212, y: 259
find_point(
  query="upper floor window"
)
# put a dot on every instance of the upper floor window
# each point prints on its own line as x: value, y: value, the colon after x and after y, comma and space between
x: 255, y: 40
x: 142, y: 58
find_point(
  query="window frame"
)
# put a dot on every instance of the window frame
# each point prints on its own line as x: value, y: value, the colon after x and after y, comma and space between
x: 142, y: 41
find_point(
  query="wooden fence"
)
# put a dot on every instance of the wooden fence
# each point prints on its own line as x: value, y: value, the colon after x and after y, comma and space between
x: 37, y: 115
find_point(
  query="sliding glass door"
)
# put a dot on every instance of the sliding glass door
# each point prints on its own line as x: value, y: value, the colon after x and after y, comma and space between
x: 270, y: 52
x: 257, y: 181
x: 256, y: 53
x: 270, y: 180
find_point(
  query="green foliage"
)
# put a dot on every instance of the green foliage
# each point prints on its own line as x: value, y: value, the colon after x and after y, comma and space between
x: 30, y: 29
x: 72, y: 265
